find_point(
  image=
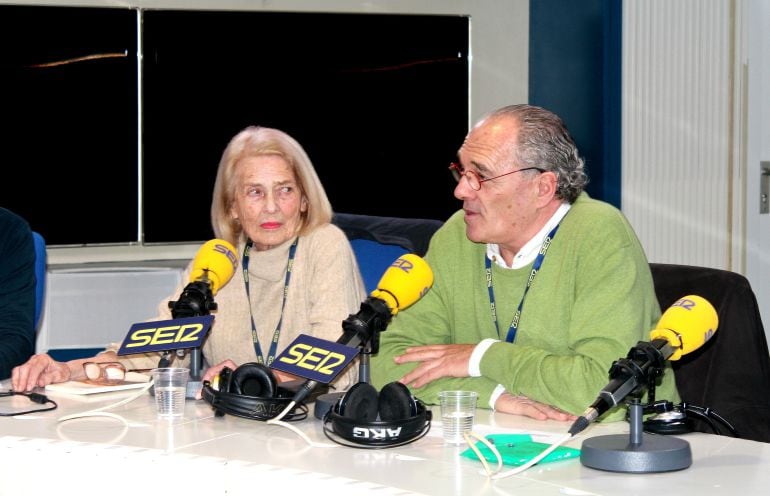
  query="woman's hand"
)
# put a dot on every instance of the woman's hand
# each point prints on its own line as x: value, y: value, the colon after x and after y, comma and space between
x: 213, y: 372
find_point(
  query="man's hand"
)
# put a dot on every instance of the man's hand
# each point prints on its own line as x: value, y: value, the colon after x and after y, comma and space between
x: 39, y: 371
x: 435, y: 361
x: 521, y: 405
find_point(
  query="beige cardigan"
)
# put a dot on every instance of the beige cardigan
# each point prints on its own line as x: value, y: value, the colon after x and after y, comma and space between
x: 325, y: 288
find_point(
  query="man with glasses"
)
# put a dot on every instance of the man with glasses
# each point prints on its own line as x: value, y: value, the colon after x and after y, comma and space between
x: 538, y: 288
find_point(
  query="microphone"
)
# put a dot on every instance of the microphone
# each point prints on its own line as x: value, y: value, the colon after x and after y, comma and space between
x: 684, y: 327
x: 213, y: 267
x: 407, y: 280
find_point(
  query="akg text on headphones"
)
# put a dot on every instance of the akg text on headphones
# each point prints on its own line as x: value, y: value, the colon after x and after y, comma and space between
x: 251, y: 391
x: 362, y: 418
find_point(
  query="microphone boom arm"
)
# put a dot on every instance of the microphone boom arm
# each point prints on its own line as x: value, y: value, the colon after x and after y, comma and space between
x: 196, y: 300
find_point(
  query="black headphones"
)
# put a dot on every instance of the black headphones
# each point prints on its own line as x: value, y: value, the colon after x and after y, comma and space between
x: 682, y: 418
x: 252, y: 392
x: 365, y: 419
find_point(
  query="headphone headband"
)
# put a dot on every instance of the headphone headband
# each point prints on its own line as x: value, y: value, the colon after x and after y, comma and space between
x: 251, y: 392
x: 252, y: 407
x: 363, y: 433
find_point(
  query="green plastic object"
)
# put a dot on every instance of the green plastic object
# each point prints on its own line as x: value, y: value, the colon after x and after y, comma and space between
x: 518, y: 449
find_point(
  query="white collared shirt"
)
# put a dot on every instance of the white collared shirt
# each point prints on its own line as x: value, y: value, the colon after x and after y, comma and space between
x: 529, y: 251
x: 525, y: 256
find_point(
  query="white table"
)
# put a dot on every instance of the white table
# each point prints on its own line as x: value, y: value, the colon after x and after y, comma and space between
x: 207, y: 455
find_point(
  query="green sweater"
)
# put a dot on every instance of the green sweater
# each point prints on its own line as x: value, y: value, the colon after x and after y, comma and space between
x: 592, y: 300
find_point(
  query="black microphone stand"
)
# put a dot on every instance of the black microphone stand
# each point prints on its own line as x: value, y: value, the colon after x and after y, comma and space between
x: 638, y: 452
x: 195, y: 301
x: 364, y: 330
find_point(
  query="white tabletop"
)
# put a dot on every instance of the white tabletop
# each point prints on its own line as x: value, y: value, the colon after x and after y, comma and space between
x: 229, y: 455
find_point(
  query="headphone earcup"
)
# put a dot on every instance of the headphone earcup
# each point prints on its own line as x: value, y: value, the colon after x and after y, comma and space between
x: 360, y: 403
x: 253, y: 379
x: 674, y: 422
x: 396, y: 403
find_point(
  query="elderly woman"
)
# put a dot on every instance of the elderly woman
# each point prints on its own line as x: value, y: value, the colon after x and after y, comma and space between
x: 302, y: 274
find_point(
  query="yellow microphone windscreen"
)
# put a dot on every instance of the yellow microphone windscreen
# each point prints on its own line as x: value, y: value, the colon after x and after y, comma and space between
x: 216, y: 262
x: 687, y: 324
x: 407, y: 279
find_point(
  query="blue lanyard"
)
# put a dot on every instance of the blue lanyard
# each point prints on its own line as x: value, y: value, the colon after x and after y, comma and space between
x: 277, y: 333
x: 535, y: 267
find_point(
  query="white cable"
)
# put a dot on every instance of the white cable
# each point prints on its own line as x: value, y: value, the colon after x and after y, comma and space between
x: 94, y: 412
x: 533, y: 461
x: 275, y: 421
x: 492, y: 448
x: 62, y: 435
x: 285, y: 411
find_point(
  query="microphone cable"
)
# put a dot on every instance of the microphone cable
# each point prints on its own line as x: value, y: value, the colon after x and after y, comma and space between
x: 33, y: 397
x: 100, y: 412
x: 501, y: 475
x: 707, y: 415
x: 277, y: 421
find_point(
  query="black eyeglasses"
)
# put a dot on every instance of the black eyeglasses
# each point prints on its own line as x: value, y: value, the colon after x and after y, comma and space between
x: 474, y: 181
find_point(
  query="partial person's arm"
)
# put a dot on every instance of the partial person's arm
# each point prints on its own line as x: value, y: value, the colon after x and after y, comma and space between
x: 17, y: 293
x: 41, y: 370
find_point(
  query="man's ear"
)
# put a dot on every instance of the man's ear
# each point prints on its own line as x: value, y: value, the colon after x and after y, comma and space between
x: 547, y: 186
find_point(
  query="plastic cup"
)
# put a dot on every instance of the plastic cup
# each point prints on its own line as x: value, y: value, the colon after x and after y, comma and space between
x: 457, y: 411
x: 170, y: 386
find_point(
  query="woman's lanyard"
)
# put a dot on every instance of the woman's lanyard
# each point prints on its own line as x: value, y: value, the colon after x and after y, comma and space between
x: 277, y: 333
x: 535, y: 267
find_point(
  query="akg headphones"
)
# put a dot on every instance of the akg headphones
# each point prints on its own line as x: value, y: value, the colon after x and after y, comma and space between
x: 364, y: 419
x: 251, y: 391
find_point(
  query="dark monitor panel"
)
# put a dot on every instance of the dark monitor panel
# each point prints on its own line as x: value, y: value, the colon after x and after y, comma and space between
x: 380, y: 103
x: 69, y: 122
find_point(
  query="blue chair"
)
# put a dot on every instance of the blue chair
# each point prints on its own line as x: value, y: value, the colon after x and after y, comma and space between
x: 378, y: 241
x: 373, y: 259
x: 40, y: 275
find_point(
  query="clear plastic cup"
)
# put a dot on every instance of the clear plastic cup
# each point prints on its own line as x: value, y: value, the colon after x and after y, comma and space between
x: 170, y: 385
x: 458, y: 409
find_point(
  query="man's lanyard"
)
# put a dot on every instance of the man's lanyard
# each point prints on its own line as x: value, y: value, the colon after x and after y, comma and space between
x: 535, y: 267
x: 277, y: 333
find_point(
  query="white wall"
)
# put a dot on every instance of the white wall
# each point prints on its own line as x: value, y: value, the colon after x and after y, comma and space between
x: 696, y: 124
x: 756, y: 65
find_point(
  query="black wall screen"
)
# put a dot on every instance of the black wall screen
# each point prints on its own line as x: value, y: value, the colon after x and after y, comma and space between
x: 380, y: 103
x: 69, y: 122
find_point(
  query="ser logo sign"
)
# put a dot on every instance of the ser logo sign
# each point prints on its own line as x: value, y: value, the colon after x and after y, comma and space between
x: 315, y: 359
x: 166, y: 335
